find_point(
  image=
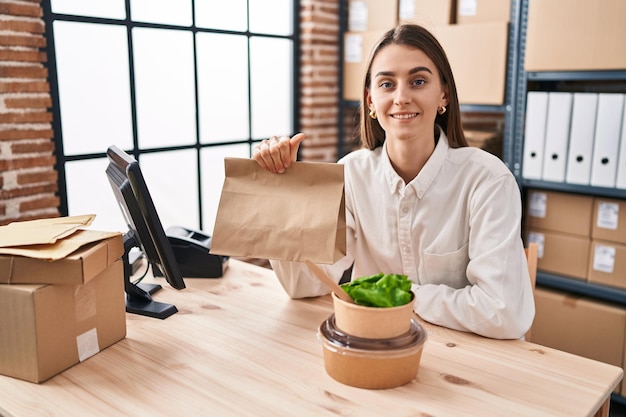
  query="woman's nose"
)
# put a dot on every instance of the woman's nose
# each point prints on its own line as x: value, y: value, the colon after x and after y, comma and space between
x: 402, y: 95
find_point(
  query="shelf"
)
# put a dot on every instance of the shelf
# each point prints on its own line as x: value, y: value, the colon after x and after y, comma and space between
x: 576, y: 75
x: 576, y: 286
x: 575, y: 188
x: 483, y: 108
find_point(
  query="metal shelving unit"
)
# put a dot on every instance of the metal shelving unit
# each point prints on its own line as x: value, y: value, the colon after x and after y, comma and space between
x: 600, y: 292
x: 605, y: 81
x: 523, y: 79
x: 576, y: 286
x: 575, y: 188
x: 576, y: 75
x: 510, y: 102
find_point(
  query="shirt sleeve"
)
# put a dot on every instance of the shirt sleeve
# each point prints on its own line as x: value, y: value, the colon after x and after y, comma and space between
x: 299, y: 282
x: 499, y: 301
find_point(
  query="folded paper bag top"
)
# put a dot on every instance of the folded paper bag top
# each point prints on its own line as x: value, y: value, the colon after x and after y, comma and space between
x: 294, y: 216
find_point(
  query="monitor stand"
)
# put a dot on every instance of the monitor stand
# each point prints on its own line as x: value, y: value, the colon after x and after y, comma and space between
x: 138, y: 296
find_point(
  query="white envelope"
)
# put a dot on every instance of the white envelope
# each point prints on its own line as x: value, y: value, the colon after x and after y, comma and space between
x: 584, y: 109
x: 606, y: 140
x: 557, y: 136
x: 534, y: 135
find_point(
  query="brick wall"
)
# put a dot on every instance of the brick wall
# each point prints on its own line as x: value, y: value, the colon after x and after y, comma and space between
x: 28, y: 180
x: 318, y: 78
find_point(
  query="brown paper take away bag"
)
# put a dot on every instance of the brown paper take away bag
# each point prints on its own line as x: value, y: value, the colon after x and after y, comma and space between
x: 294, y: 216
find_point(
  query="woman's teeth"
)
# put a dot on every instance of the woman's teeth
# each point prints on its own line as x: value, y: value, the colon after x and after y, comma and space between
x: 403, y: 116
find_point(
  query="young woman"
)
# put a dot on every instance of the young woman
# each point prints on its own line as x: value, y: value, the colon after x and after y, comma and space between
x: 420, y: 202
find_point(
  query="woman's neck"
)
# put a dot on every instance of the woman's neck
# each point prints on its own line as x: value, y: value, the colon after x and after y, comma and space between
x: 408, y: 157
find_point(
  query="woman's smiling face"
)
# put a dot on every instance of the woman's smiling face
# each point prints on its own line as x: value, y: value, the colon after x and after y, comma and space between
x: 405, y: 92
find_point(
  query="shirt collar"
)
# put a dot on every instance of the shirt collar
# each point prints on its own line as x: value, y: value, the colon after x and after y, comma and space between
x: 426, y: 176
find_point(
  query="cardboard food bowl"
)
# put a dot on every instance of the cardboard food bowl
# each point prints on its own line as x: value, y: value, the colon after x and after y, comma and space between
x: 373, y: 322
x: 372, y: 363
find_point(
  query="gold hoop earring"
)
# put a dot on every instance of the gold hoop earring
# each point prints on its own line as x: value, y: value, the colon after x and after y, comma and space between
x: 373, y: 114
x: 441, y: 110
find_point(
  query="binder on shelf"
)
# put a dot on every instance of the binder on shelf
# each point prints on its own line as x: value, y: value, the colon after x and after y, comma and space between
x: 534, y: 134
x: 557, y: 136
x: 584, y: 108
x: 606, y: 140
x: 620, y: 181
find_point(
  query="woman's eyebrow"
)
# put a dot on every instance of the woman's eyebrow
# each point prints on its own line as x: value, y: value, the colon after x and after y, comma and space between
x: 419, y: 69
x: 411, y: 71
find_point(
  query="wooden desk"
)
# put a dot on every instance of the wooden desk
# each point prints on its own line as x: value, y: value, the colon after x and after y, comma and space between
x: 240, y: 347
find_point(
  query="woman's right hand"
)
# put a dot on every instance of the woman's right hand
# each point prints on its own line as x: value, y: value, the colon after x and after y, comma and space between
x: 277, y: 153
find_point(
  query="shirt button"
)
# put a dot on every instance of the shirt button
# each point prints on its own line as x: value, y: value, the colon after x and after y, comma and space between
x: 405, y: 210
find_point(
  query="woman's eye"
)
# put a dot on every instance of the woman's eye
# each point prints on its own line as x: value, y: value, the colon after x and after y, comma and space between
x: 385, y: 84
x: 419, y: 82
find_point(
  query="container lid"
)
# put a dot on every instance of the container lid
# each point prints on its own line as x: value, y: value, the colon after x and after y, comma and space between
x: 415, y: 336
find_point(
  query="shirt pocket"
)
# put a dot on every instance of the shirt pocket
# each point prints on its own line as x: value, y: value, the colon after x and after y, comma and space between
x: 446, y: 268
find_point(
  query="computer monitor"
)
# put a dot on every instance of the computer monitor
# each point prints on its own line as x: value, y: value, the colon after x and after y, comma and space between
x: 144, y: 231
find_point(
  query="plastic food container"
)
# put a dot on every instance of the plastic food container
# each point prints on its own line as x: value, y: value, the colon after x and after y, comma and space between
x: 372, y: 363
x: 373, y: 322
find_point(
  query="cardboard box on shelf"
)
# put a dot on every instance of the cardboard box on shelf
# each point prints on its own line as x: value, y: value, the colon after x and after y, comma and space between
x: 559, y: 212
x: 480, y: 11
x: 607, y: 264
x: 427, y: 13
x: 486, y: 140
x: 609, y: 220
x: 561, y: 253
x: 579, y: 325
x: 364, y: 15
x: 587, y: 37
x: 479, y: 71
x: 45, y: 329
x: 357, y: 48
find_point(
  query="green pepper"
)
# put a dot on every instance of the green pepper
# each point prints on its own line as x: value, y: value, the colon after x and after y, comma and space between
x: 380, y: 290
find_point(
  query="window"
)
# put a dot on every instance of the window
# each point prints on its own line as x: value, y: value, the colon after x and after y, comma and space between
x: 192, y: 81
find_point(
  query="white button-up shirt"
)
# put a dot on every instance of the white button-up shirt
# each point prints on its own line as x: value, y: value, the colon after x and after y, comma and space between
x: 454, y: 230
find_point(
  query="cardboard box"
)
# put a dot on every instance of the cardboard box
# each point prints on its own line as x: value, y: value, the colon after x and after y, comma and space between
x: 609, y: 220
x: 357, y: 48
x: 607, y: 264
x: 581, y: 326
x: 427, y: 13
x: 45, y: 329
x: 488, y: 141
x: 480, y: 11
x: 560, y: 253
x: 364, y: 15
x: 589, y: 36
x: 77, y: 268
x: 559, y: 212
x: 479, y: 71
